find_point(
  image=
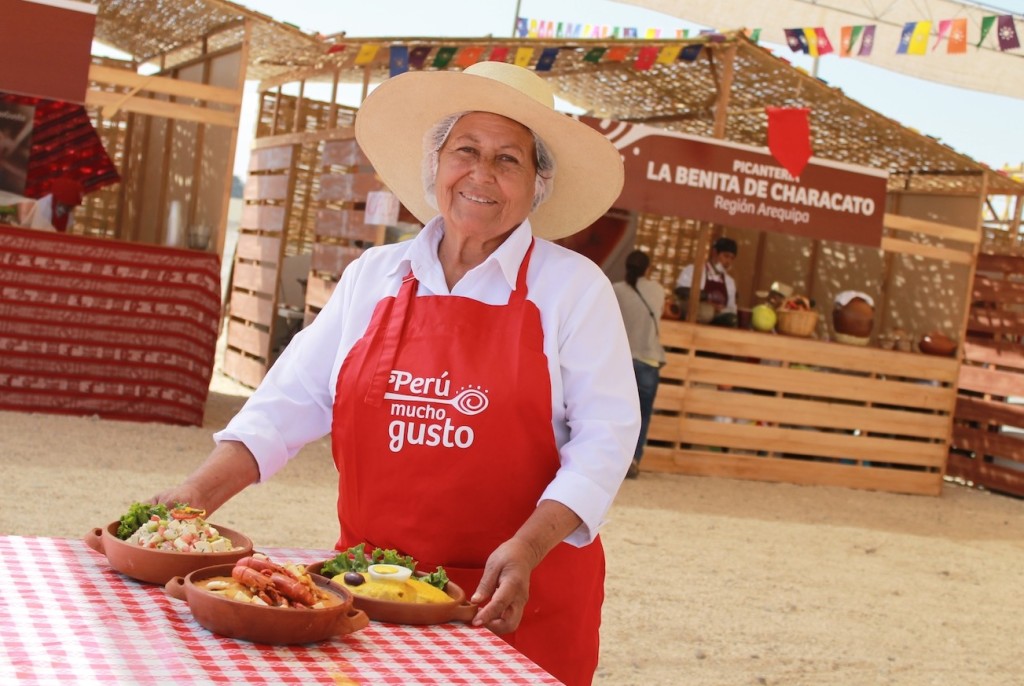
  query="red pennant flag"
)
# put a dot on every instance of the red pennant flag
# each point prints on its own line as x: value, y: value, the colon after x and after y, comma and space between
x: 469, y: 56
x: 789, y: 137
x: 499, y: 53
x: 645, y: 58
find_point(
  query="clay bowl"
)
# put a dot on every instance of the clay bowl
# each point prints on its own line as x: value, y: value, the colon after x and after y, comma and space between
x: 937, y: 344
x: 395, y: 612
x: 158, y: 566
x: 263, y: 624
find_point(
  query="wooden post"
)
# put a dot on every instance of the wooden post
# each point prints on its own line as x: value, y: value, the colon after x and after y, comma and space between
x: 366, y: 83
x: 700, y: 259
x: 728, y: 57
x: 332, y: 117
x: 222, y: 224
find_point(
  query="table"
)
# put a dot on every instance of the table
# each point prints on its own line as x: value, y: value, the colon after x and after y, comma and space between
x: 67, y: 617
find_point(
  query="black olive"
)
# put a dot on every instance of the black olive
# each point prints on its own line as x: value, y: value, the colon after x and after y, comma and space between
x: 354, y: 578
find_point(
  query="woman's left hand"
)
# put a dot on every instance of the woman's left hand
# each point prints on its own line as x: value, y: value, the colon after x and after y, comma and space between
x: 505, y: 586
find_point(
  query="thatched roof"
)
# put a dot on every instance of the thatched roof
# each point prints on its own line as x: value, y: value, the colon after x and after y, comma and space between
x: 680, y: 95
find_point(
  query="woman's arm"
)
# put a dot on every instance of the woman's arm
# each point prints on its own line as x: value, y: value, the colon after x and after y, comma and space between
x: 229, y: 469
x: 505, y: 585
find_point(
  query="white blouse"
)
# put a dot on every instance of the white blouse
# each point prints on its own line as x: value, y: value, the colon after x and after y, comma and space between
x: 594, y: 401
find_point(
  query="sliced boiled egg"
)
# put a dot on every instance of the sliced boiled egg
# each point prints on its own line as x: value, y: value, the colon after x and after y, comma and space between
x: 382, y: 572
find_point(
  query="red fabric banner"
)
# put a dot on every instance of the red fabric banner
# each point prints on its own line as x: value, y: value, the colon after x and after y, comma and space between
x: 98, y: 327
x: 789, y: 137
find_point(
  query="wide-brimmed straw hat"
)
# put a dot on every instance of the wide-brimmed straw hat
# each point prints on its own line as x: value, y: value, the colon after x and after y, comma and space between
x: 393, y: 119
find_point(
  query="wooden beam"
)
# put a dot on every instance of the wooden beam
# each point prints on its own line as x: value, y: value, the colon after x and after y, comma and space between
x: 930, y: 251
x: 930, y: 228
x: 164, y: 85
x: 161, y: 108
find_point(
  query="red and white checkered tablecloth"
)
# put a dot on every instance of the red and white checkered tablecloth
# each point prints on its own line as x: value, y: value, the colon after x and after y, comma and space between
x: 67, y: 617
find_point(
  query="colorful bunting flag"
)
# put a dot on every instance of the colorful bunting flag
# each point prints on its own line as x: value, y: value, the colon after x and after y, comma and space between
x: 443, y: 57
x: 653, y: 33
x: 523, y: 57
x: 957, y: 37
x: 796, y: 40
x: 848, y: 36
x: 683, y: 33
x: 469, y: 56
x: 522, y: 27
x: 616, y: 54
x: 546, y: 59
x: 594, y: 55
x: 868, y: 41
x: 811, y: 39
x: 1007, y: 33
x: 753, y: 34
x: 499, y: 53
x: 669, y: 54
x: 824, y: 44
x: 367, y: 51
x: 986, y: 26
x: 645, y: 58
x: 335, y: 48
x: 399, y: 62
x: 418, y: 56
x: 690, y: 52
x: 629, y: 32
x: 919, y: 38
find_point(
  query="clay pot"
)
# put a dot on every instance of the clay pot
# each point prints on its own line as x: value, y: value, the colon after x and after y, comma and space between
x: 261, y: 623
x: 856, y: 318
x: 158, y: 566
x: 937, y: 343
x: 397, y: 612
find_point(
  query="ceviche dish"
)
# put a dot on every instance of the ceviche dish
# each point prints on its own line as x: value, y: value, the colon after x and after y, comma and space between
x: 386, y: 575
x: 181, y: 529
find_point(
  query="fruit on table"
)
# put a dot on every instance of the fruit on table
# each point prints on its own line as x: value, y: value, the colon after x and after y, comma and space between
x: 763, y: 317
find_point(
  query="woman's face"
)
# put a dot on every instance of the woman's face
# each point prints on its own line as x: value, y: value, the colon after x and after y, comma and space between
x: 485, y: 175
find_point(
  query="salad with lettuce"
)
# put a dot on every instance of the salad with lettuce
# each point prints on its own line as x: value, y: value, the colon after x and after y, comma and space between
x: 356, y: 559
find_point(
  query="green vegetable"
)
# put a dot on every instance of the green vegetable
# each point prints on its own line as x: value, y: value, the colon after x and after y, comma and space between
x: 437, y: 579
x: 137, y: 515
x: 355, y: 559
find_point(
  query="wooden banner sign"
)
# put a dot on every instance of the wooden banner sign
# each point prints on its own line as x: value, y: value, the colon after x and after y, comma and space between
x: 737, y: 185
x: 46, y: 48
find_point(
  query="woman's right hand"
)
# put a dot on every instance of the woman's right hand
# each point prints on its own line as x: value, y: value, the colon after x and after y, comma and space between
x: 181, y: 493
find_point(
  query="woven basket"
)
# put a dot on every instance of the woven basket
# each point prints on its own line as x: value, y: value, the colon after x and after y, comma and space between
x: 797, y: 322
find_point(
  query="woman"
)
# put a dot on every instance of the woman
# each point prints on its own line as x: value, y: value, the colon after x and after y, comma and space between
x: 641, y: 301
x: 478, y: 374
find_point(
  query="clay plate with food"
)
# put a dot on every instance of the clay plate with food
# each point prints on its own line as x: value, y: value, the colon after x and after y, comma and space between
x: 387, y: 587
x: 246, y: 601
x: 187, y: 544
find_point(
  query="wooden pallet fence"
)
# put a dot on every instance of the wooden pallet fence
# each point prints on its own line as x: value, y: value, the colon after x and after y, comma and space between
x: 750, y: 405
x: 256, y: 271
x: 987, y: 447
x: 341, y: 233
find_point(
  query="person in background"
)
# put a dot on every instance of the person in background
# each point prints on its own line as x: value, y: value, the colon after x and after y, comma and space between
x: 717, y: 287
x: 475, y: 380
x: 641, y: 301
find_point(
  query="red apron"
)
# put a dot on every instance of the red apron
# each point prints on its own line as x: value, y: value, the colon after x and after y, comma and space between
x: 443, y: 442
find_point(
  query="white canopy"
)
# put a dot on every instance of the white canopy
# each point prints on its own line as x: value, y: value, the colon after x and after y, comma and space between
x: 984, y: 69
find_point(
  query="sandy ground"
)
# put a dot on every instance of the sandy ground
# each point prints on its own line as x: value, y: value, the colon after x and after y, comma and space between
x: 711, y: 581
